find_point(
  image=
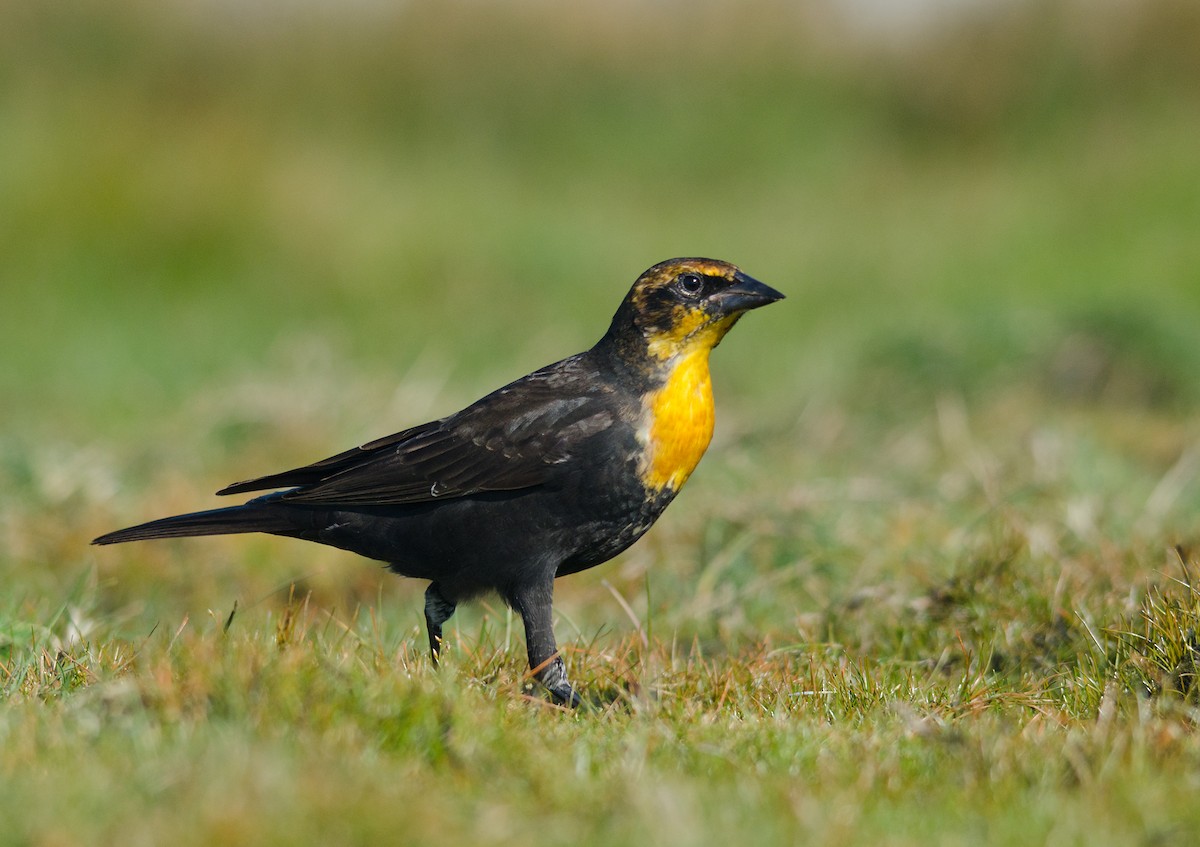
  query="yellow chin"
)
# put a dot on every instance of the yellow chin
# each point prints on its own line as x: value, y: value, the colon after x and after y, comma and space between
x: 691, y: 329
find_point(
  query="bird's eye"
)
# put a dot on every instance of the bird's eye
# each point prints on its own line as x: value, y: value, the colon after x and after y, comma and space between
x: 690, y: 283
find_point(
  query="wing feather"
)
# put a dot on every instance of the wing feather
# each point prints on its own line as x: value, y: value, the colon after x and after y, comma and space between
x: 517, y: 437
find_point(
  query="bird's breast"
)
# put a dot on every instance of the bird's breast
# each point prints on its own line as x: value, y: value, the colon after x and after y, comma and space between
x: 677, y: 423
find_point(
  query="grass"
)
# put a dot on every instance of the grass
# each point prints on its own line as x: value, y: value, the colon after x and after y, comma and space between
x: 935, y: 582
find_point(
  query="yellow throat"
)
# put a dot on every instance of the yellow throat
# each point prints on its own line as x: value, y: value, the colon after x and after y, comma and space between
x: 679, y: 415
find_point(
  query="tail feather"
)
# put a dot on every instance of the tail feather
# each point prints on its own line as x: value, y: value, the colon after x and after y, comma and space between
x: 234, y: 519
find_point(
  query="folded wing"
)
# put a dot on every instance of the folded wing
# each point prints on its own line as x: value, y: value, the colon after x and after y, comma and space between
x: 515, y: 438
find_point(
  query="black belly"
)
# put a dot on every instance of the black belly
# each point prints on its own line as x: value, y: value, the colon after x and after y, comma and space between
x: 494, y: 540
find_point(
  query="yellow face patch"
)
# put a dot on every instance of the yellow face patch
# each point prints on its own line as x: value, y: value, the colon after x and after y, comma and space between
x: 691, y: 328
x: 680, y: 422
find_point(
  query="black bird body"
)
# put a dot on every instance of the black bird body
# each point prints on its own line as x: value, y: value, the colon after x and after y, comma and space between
x: 552, y: 474
x: 564, y: 504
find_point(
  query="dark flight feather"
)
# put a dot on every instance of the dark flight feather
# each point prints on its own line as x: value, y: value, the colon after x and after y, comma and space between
x: 546, y: 416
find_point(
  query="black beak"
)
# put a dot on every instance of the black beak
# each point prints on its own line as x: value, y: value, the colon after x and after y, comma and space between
x: 745, y: 294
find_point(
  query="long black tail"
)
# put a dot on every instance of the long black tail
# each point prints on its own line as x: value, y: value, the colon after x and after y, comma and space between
x: 251, y: 517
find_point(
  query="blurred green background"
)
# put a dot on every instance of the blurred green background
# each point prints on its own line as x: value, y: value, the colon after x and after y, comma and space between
x: 237, y: 237
x: 925, y: 587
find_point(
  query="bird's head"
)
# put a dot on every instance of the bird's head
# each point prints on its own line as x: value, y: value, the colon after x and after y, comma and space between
x: 681, y: 306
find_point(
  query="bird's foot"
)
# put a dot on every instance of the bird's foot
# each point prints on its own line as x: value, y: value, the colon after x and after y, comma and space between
x: 553, y: 678
x: 565, y: 695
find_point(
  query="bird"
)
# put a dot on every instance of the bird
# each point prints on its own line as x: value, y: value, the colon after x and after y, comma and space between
x: 554, y: 473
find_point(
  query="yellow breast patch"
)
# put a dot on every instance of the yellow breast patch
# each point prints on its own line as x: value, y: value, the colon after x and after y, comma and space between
x: 679, y: 422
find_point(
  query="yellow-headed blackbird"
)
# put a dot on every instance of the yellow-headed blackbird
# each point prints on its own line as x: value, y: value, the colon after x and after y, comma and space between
x: 549, y: 475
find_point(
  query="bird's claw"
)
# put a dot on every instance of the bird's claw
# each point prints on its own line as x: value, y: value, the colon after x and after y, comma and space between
x: 564, y: 695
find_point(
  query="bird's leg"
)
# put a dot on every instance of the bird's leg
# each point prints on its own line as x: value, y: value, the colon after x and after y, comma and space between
x: 533, y: 603
x: 437, y: 611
